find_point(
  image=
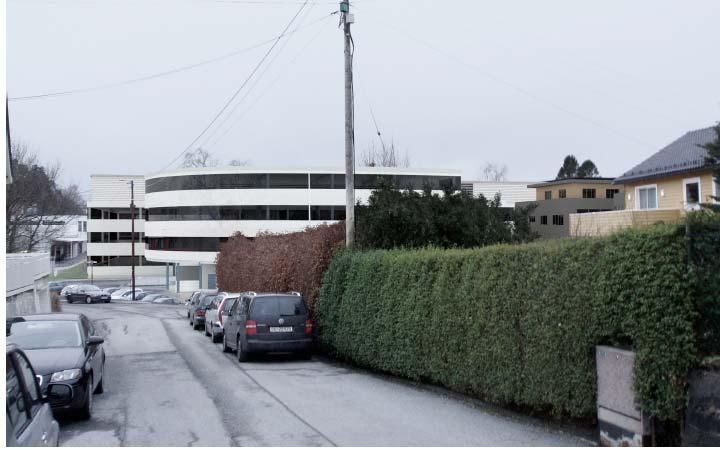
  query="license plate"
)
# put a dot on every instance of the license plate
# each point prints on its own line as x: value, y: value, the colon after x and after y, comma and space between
x: 281, y: 329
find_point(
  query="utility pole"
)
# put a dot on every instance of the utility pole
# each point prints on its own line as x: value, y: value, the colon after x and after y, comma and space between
x: 347, y: 19
x: 132, y: 235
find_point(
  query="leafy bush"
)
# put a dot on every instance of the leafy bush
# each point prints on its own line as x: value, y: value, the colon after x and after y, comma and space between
x: 278, y: 262
x: 395, y: 218
x: 518, y: 324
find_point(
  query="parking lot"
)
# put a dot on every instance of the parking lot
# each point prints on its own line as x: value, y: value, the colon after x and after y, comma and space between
x: 167, y: 384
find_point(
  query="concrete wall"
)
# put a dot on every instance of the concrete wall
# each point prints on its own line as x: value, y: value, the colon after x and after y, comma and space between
x: 122, y: 272
x: 26, y: 288
x: 603, y: 223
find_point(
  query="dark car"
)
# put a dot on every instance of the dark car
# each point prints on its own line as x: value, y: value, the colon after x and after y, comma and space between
x: 29, y: 420
x: 88, y: 293
x: 268, y: 323
x: 196, y: 306
x: 64, y: 349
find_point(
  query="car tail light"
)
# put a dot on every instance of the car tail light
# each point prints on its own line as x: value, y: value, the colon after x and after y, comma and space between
x: 250, y: 327
x: 308, y: 326
x: 200, y: 312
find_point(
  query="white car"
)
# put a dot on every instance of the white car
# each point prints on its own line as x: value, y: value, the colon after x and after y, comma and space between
x: 214, y: 314
x: 124, y: 293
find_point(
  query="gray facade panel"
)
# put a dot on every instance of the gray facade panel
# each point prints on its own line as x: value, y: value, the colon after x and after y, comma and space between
x: 563, y: 207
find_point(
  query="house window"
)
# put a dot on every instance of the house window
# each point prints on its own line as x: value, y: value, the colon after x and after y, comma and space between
x: 692, y: 191
x: 84, y: 226
x: 548, y: 195
x: 543, y: 220
x: 646, y: 197
x: 562, y: 193
x: 588, y: 193
x: 80, y: 227
x: 611, y: 193
x: 532, y: 219
x: 558, y: 219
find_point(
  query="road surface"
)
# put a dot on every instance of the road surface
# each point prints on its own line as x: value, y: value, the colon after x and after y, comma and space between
x: 169, y: 385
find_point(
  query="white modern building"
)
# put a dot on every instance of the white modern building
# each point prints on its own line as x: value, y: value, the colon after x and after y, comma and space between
x: 511, y: 192
x: 188, y: 213
x: 109, y: 228
x: 70, y: 241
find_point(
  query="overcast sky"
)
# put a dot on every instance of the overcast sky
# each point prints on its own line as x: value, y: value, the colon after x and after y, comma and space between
x: 454, y: 83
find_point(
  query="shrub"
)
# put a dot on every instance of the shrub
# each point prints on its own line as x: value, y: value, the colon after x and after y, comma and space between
x: 395, y: 218
x: 518, y: 324
x: 278, y: 262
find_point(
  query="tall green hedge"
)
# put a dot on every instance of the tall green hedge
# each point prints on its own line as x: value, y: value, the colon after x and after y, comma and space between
x: 518, y: 324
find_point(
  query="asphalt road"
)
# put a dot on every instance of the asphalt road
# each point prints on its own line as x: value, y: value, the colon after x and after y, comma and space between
x: 169, y: 385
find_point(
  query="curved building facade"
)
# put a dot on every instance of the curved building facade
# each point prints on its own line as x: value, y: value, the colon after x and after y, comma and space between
x: 190, y: 212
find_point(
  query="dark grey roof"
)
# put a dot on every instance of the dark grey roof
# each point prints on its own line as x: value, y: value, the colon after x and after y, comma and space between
x: 595, y: 180
x: 682, y: 155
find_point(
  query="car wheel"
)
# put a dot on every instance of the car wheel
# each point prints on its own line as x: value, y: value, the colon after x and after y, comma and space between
x: 69, y: 300
x: 86, y: 410
x: 242, y: 354
x: 107, y: 301
x: 225, y: 347
x: 306, y: 354
x: 88, y: 300
x: 214, y: 336
x: 207, y: 333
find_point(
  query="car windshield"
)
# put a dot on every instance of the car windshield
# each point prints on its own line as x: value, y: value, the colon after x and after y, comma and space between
x: 207, y: 300
x: 89, y: 287
x: 34, y: 334
x: 279, y: 306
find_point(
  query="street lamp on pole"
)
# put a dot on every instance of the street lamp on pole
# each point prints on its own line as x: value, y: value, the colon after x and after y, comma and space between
x: 132, y: 234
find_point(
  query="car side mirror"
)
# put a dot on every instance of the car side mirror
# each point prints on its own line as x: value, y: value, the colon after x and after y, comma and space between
x: 95, y: 340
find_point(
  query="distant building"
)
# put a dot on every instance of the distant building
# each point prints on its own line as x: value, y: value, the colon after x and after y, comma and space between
x: 109, y: 247
x: 511, y: 192
x: 186, y: 214
x: 661, y: 188
x: 69, y: 241
x: 26, y: 283
x: 555, y: 200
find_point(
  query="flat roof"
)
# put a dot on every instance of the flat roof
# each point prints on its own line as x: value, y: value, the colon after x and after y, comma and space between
x: 572, y: 181
x: 311, y: 170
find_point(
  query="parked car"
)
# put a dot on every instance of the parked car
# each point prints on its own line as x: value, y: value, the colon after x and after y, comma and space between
x: 197, y: 306
x: 63, y: 348
x: 164, y: 301
x: 148, y: 298
x: 128, y: 295
x: 120, y: 293
x: 269, y: 322
x: 213, y: 314
x: 88, y: 293
x: 29, y: 419
x: 67, y: 289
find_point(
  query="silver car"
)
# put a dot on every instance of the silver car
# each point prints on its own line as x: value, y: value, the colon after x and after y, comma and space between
x: 214, y: 314
x: 29, y: 420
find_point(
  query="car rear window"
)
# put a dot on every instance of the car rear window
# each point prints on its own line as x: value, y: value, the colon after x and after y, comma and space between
x: 207, y: 300
x: 279, y: 306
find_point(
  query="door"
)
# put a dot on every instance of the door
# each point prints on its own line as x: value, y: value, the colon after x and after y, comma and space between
x: 31, y: 419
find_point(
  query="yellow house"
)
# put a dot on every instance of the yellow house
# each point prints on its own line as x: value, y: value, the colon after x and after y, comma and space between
x: 660, y: 189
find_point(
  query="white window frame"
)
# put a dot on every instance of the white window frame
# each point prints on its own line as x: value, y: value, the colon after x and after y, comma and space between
x: 687, y: 181
x: 637, y: 196
x: 715, y: 193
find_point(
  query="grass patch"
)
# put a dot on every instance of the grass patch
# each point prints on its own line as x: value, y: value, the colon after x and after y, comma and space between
x: 78, y: 272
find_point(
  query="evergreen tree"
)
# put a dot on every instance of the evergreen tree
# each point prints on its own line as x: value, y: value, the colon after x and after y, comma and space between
x: 568, y: 169
x: 713, y: 157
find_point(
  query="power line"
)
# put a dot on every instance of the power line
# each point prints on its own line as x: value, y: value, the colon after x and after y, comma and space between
x: 166, y: 72
x: 265, y: 91
x: 237, y: 91
x: 517, y: 88
x: 257, y: 79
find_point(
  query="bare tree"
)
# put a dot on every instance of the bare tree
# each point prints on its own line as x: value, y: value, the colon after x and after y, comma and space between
x: 385, y: 156
x: 199, y: 158
x: 36, y: 206
x: 494, y: 172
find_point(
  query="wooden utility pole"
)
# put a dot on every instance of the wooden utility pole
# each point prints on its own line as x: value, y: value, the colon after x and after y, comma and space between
x: 132, y: 235
x: 347, y: 20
